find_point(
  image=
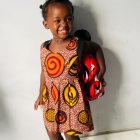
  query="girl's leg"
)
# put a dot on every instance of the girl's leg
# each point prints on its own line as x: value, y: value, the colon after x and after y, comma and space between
x: 55, y: 136
x: 71, y: 137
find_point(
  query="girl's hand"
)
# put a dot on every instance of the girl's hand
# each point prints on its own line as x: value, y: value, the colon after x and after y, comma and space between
x: 37, y: 103
x: 101, y: 79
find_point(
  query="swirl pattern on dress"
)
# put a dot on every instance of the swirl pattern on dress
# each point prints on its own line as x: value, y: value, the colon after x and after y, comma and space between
x: 61, y: 117
x: 54, y: 64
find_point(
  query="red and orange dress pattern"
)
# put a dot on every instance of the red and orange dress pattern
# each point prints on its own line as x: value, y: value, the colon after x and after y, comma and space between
x: 64, y: 109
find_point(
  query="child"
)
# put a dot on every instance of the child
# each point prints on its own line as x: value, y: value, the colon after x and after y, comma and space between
x: 64, y: 108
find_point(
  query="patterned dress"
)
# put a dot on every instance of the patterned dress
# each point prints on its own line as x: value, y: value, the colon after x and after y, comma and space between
x: 64, y: 109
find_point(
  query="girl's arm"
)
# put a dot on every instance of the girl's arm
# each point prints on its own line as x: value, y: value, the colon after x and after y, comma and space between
x: 42, y: 82
x: 42, y: 77
x: 39, y: 100
x: 95, y: 48
x: 101, y: 62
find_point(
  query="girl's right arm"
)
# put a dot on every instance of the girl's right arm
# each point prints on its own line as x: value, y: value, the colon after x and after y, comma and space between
x: 39, y: 99
x: 42, y: 82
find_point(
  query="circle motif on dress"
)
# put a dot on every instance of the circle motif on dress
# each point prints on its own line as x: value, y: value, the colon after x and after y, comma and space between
x: 71, y: 45
x: 44, y: 94
x: 83, y: 117
x: 54, y: 64
x: 50, y: 115
x: 61, y: 117
x: 73, y: 64
x: 70, y: 95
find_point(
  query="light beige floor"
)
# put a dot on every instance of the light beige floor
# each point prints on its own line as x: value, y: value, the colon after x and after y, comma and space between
x: 127, y: 135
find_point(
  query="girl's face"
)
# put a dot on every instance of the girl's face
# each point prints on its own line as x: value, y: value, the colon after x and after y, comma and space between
x: 59, y: 20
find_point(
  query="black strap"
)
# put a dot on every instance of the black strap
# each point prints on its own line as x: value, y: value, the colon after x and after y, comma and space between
x: 46, y: 44
x: 80, y: 49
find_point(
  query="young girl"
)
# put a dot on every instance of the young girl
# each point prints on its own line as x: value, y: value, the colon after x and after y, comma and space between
x: 64, y: 108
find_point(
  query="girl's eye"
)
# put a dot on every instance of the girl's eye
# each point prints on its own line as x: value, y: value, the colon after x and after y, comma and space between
x: 69, y: 19
x: 57, y: 21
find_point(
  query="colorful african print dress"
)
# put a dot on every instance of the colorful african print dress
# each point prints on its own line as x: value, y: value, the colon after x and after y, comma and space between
x: 65, y: 109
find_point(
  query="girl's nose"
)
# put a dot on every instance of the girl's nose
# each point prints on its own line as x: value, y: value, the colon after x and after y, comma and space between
x: 64, y: 23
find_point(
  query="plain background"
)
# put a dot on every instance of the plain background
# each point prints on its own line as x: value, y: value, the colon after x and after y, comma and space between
x: 113, y: 24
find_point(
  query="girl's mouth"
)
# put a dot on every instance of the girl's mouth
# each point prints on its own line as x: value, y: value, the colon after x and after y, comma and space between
x: 63, y: 31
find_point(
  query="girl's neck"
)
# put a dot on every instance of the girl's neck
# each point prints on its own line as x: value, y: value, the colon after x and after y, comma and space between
x: 60, y: 41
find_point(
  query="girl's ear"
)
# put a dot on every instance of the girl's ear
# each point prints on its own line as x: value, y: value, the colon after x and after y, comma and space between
x: 45, y: 24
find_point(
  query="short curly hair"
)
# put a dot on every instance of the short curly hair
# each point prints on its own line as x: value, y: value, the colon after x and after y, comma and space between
x: 45, y: 6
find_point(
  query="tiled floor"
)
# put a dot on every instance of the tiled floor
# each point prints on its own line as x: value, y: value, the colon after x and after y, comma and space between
x: 127, y: 135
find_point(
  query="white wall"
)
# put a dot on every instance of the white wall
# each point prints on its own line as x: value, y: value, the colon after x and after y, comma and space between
x: 114, y: 24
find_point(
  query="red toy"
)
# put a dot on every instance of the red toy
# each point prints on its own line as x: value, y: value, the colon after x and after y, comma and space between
x: 92, y: 86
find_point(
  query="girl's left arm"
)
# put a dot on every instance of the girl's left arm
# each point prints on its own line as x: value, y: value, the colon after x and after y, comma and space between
x: 97, y: 51
x: 101, y: 61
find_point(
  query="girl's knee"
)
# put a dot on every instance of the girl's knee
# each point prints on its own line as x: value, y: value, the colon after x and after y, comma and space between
x: 55, y: 135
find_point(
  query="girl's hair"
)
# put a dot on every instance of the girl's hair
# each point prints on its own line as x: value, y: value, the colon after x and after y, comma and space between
x: 45, y: 6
